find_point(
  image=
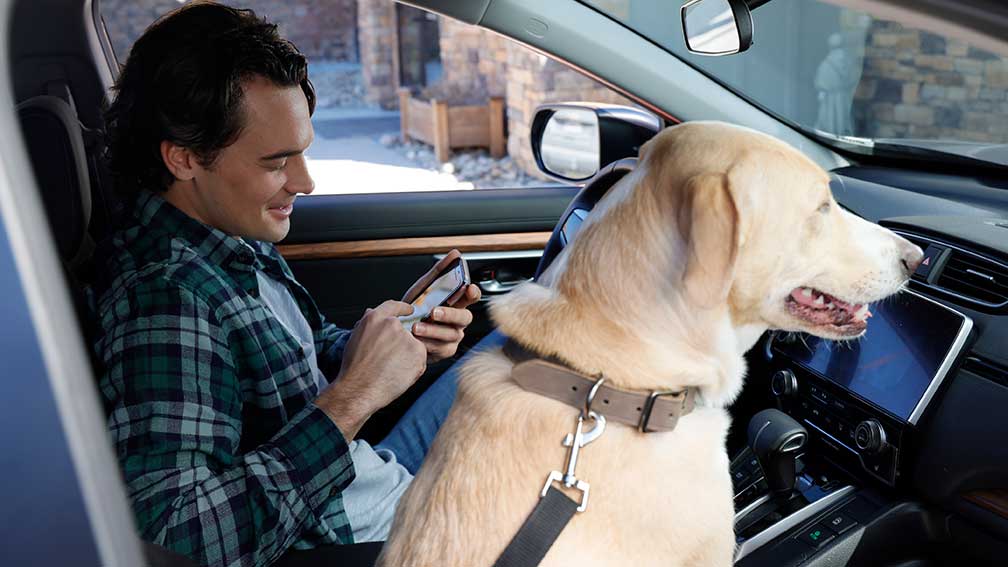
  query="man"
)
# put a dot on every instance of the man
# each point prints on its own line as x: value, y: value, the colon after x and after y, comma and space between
x: 233, y: 405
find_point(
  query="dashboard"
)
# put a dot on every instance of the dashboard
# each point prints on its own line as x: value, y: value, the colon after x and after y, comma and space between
x: 918, y: 405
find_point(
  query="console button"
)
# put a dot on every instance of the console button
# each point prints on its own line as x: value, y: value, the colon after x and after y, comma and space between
x: 839, y: 522
x: 783, y: 383
x: 827, y: 421
x: 817, y: 535
x: 931, y: 256
x: 741, y: 478
x: 820, y: 395
x: 869, y: 436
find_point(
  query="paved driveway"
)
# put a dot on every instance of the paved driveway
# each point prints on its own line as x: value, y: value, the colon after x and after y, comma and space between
x: 346, y: 156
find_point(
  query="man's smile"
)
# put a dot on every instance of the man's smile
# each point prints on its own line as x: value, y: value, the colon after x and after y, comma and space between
x: 283, y: 211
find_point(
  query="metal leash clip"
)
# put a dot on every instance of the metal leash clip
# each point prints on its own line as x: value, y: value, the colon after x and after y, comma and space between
x: 575, y: 441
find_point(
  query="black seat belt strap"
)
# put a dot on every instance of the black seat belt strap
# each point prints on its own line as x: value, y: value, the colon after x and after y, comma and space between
x: 540, y: 530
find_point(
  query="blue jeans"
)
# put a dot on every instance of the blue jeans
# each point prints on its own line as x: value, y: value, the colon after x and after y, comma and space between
x: 411, y: 438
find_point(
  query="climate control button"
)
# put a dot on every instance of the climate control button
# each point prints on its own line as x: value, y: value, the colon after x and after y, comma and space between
x: 869, y: 436
x: 783, y: 383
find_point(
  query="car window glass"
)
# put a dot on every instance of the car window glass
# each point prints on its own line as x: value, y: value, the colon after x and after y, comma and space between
x: 377, y: 66
x: 845, y: 72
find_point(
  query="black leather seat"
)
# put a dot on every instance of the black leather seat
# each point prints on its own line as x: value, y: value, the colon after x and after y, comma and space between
x: 61, y: 157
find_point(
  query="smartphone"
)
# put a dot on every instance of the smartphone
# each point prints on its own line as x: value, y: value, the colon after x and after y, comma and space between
x: 444, y: 289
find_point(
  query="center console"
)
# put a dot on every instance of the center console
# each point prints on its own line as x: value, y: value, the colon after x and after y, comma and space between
x: 858, y: 403
x: 861, y: 398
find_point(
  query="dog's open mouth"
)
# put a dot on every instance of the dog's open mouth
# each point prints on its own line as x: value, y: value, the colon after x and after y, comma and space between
x: 823, y: 310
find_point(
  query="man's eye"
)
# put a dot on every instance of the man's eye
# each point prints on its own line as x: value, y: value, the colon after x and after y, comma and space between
x: 280, y: 167
x: 824, y: 208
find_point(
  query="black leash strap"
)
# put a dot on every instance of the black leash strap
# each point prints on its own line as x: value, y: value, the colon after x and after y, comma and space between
x: 540, y: 530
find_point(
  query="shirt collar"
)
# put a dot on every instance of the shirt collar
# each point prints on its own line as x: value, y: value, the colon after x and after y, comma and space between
x: 216, y: 246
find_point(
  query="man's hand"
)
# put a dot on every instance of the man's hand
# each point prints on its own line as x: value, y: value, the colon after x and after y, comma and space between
x: 380, y: 362
x: 442, y: 333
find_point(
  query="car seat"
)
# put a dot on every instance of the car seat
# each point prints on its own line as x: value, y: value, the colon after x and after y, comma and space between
x: 65, y: 157
x: 59, y: 147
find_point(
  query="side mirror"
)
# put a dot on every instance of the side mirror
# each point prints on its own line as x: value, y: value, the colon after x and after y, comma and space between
x: 717, y: 27
x: 572, y: 141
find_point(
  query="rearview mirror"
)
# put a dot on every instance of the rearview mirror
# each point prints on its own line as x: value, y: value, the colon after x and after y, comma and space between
x: 717, y: 27
x: 572, y: 141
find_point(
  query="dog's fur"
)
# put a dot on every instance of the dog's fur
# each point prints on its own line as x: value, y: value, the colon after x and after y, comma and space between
x: 674, y: 276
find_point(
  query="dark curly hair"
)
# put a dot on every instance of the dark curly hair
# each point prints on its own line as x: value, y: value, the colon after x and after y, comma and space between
x: 183, y: 82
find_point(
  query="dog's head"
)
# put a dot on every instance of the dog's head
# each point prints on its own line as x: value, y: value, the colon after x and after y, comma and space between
x: 764, y: 235
x: 718, y: 234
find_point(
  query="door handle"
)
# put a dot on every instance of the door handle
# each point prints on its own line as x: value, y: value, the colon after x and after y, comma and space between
x: 494, y: 287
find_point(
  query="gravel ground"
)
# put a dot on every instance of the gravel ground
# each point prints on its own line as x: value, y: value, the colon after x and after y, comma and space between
x: 475, y: 166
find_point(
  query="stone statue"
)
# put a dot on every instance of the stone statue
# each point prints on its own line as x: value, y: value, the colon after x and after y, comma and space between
x: 835, y: 81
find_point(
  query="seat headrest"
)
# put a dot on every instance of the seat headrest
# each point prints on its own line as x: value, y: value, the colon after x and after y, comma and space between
x: 55, y: 143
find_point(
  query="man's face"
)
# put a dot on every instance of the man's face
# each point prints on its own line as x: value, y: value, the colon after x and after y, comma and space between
x: 249, y: 190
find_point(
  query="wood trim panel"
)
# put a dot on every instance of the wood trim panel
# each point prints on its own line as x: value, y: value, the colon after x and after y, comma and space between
x: 419, y: 245
x: 994, y: 501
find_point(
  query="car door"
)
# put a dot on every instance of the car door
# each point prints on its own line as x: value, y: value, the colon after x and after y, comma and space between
x: 354, y: 251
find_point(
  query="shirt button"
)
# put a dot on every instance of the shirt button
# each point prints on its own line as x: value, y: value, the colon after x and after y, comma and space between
x: 333, y: 492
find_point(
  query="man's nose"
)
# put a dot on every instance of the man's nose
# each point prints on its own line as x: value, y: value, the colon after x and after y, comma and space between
x: 911, y: 256
x: 298, y: 178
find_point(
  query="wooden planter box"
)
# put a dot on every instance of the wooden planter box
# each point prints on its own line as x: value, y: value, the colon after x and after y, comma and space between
x: 446, y: 127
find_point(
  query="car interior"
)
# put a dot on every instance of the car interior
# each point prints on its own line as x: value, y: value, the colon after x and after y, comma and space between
x: 886, y: 451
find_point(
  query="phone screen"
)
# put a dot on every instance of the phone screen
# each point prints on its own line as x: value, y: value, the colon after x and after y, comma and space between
x: 435, y: 295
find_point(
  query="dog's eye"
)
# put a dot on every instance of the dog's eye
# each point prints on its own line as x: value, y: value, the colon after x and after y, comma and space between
x: 824, y: 208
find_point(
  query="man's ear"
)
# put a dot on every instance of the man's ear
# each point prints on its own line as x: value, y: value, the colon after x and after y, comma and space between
x: 179, y: 160
x: 709, y: 220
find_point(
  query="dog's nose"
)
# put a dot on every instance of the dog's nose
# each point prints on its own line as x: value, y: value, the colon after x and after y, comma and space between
x: 911, y: 256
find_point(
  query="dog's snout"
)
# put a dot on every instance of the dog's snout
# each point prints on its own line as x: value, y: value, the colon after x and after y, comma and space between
x: 911, y: 256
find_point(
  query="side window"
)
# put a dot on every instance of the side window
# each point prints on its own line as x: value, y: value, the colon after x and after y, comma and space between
x: 407, y: 100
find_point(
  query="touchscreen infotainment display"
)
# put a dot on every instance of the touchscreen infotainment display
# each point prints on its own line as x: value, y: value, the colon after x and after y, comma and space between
x: 899, y: 362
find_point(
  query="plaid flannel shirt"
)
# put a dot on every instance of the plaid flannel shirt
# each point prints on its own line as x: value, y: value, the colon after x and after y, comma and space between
x: 208, y: 397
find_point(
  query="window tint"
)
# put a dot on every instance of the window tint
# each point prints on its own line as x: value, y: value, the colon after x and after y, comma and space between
x: 407, y: 100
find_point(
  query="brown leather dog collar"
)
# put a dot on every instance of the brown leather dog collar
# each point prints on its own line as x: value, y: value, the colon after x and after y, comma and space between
x: 547, y: 376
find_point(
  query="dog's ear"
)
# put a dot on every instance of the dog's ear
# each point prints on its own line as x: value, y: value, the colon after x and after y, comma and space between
x: 709, y: 221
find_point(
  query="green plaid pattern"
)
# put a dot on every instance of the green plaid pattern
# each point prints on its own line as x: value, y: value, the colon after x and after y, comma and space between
x: 208, y: 397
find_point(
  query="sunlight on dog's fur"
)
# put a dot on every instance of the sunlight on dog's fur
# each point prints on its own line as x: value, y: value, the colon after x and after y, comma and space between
x: 718, y: 235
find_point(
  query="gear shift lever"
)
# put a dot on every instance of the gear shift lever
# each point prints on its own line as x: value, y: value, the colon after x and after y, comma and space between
x: 775, y: 438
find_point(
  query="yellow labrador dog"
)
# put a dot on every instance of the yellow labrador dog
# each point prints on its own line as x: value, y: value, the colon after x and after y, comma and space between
x: 718, y: 235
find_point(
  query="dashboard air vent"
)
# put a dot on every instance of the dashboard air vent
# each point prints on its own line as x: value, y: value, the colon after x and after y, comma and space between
x: 975, y: 277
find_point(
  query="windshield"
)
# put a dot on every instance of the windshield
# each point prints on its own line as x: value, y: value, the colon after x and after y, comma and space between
x: 841, y: 73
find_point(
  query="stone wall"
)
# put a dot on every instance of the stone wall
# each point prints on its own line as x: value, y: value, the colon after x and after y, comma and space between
x: 474, y: 60
x: 321, y: 29
x: 916, y: 84
x: 376, y: 29
x: 480, y: 61
x: 534, y: 79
